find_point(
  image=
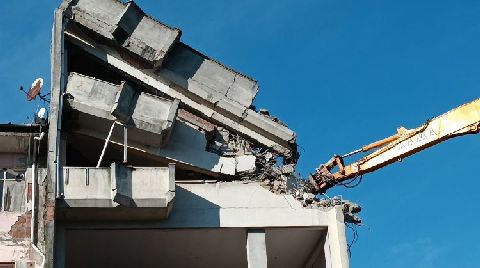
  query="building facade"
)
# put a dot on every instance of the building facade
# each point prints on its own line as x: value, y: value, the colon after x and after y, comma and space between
x: 154, y: 156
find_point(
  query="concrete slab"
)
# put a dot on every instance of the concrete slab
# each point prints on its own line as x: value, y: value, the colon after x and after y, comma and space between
x: 207, y: 78
x: 294, y: 236
x: 143, y: 113
x: 245, y: 163
x: 129, y: 27
x: 254, y: 129
x: 115, y: 191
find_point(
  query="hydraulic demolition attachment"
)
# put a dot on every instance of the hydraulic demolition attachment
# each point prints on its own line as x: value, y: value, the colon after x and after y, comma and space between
x: 457, y: 122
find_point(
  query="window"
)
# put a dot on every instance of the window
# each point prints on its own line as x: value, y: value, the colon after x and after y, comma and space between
x: 12, y: 190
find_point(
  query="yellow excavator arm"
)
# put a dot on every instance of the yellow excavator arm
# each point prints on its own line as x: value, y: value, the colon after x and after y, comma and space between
x: 457, y: 122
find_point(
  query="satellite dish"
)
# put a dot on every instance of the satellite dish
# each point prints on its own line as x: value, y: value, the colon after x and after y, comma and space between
x: 35, y: 89
x: 41, y: 113
x: 41, y: 117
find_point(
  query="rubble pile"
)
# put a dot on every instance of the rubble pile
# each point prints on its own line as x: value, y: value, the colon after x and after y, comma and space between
x: 349, y: 208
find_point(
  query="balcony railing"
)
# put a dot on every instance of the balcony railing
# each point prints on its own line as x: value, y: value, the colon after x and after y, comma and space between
x: 118, y: 192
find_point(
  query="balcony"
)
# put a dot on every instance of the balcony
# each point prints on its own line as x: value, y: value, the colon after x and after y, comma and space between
x: 117, y: 193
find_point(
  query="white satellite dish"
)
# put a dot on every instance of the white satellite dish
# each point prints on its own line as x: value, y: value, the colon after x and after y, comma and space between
x: 38, y: 80
x: 41, y: 113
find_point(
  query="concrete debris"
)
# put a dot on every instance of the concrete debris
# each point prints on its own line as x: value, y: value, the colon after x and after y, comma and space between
x: 349, y: 208
x: 202, y: 124
x: 254, y: 161
x: 226, y: 143
x: 245, y: 163
x: 269, y: 171
x: 218, y: 131
x: 266, y: 114
x: 288, y: 169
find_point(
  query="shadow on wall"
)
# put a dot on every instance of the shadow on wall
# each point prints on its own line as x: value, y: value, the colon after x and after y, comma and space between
x: 185, y: 239
x: 184, y: 62
x: 191, y: 210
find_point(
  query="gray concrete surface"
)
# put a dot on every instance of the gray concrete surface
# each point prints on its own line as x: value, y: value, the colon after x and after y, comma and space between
x: 187, y: 145
x: 207, y: 78
x: 128, y: 26
x: 294, y: 236
x: 256, y: 248
x: 143, y: 113
x: 87, y: 190
x: 199, y: 94
x: 123, y: 38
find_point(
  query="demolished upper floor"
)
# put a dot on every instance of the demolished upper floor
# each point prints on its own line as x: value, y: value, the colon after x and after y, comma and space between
x: 120, y: 65
x: 150, y: 51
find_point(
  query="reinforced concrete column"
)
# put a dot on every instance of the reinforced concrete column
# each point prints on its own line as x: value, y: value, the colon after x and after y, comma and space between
x: 256, y: 248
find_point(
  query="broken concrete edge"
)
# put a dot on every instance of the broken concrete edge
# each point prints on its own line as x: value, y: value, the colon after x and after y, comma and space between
x: 152, y: 18
x: 256, y: 120
x: 147, y: 80
x: 229, y: 164
x: 206, y: 57
x: 151, y: 152
x: 289, y: 151
x: 122, y: 107
x: 195, y: 118
x: 232, y: 114
x: 236, y: 73
x: 118, y: 31
x: 15, y: 239
x: 219, y: 119
x: 349, y: 208
x: 278, y: 127
x: 122, y: 103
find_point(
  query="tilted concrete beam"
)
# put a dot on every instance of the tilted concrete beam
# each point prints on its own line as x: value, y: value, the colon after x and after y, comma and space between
x: 143, y: 113
x: 128, y: 26
x: 225, y: 112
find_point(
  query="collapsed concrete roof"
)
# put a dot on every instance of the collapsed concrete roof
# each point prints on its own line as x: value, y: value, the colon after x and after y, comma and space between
x: 150, y: 52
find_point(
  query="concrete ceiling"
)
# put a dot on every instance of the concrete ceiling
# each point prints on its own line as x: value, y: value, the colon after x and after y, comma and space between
x: 221, y: 247
x: 156, y: 248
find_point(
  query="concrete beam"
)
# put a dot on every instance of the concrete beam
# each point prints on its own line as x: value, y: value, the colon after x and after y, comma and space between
x: 268, y: 136
x: 118, y: 192
x: 144, y: 114
x: 187, y: 146
x: 128, y: 26
x: 207, y: 78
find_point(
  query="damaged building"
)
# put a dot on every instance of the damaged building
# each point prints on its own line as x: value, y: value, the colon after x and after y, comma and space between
x: 153, y: 156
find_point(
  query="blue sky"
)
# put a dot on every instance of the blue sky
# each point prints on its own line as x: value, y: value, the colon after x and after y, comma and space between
x: 341, y: 74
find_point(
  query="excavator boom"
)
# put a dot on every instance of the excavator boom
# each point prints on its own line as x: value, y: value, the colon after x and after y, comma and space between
x: 462, y: 120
